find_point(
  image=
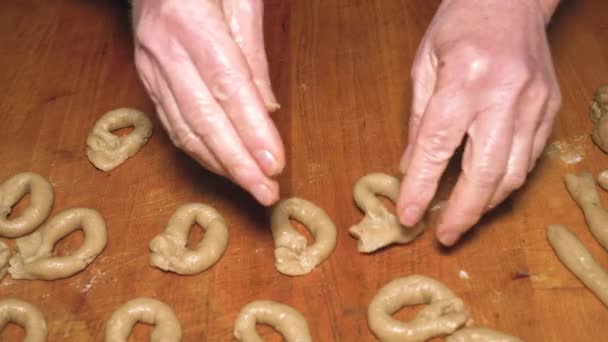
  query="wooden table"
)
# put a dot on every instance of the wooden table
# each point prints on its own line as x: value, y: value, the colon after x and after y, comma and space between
x: 340, y: 69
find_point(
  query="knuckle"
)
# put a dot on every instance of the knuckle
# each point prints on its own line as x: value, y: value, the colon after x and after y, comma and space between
x: 226, y: 83
x: 470, y: 59
x: 488, y: 176
x: 514, y: 181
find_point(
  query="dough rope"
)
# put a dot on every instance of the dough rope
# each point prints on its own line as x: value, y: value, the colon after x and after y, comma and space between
x: 379, y: 228
x: 107, y: 151
x: 25, y: 315
x: 41, y: 203
x: 5, y: 254
x: 444, y: 314
x: 34, y: 253
x: 168, y: 250
x: 597, y: 113
x: 481, y: 335
x: 293, y: 256
x: 145, y: 310
x: 286, y: 320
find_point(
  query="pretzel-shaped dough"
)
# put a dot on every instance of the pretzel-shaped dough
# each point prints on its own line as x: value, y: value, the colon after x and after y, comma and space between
x: 169, y: 252
x: 293, y: 256
x: 480, y: 335
x: 27, y: 316
x: 34, y: 253
x: 41, y: 203
x: 444, y: 314
x: 285, y: 319
x: 379, y: 228
x: 145, y: 310
x: 107, y: 151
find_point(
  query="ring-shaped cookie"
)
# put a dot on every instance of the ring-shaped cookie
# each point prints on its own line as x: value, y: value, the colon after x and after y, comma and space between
x: 25, y: 315
x: 34, y: 253
x: 283, y: 318
x: 5, y: 255
x: 41, y: 203
x: 106, y: 150
x: 480, y: 335
x: 292, y: 255
x: 148, y: 311
x: 443, y: 315
x: 168, y: 250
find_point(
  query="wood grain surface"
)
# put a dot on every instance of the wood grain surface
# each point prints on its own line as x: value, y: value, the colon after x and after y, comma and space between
x: 341, y: 73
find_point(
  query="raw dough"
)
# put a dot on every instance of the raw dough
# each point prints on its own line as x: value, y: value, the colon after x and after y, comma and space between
x: 602, y: 179
x: 599, y: 119
x: 34, y: 253
x: 286, y: 320
x: 573, y: 254
x: 480, y: 335
x: 27, y: 316
x: 145, y: 310
x: 379, y: 228
x: 292, y: 255
x: 444, y: 314
x: 168, y: 250
x: 41, y: 203
x: 5, y: 254
x: 107, y: 151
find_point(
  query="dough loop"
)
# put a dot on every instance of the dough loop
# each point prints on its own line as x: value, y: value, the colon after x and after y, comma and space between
x: 5, y: 254
x: 480, y: 335
x: 599, y: 118
x: 25, y: 315
x: 286, y: 320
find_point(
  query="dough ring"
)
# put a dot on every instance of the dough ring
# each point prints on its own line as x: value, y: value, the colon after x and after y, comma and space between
x: 285, y: 319
x: 41, y: 203
x: 480, y: 335
x: 444, y: 314
x: 168, y: 250
x: 107, y: 151
x: 379, y: 228
x: 599, y: 118
x: 5, y: 254
x: 25, y: 315
x: 293, y: 256
x: 145, y: 310
x: 34, y: 253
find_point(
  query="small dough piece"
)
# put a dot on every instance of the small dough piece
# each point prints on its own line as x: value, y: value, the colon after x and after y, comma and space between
x: 168, y: 250
x: 34, y: 253
x: 481, y: 335
x: 293, y: 256
x: 444, y: 314
x: 41, y: 203
x: 379, y: 228
x: 5, y: 254
x: 285, y: 319
x: 106, y: 150
x: 599, y: 119
x: 25, y: 315
x: 148, y: 311
x: 602, y: 179
x: 576, y: 257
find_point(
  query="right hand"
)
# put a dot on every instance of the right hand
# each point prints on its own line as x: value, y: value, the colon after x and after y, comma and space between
x: 204, y: 66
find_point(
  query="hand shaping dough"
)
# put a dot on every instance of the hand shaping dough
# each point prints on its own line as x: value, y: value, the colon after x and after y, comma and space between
x: 379, y: 228
x: 480, y: 335
x: 34, y: 253
x: 292, y: 255
x: 145, y: 310
x: 107, y: 151
x: 286, y: 320
x: 597, y: 113
x: 444, y: 314
x: 41, y: 203
x: 5, y: 254
x: 169, y: 252
x: 27, y: 316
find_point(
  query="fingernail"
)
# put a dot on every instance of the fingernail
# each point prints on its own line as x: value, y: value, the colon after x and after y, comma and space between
x: 272, y: 105
x: 263, y: 194
x: 411, y: 215
x: 268, y: 162
x: 448, y: 237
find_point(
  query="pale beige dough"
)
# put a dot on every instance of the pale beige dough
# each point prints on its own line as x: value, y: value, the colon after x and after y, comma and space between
x: 41, y: 203
x: 293, y: 256
x: 286, y: 320
x: 481, y: 335
x: 599, y: 119
x: 106, y: 150
x: 168, y: 250
x: 25, y: 315
x: 379, y: 228
x: 148, y: 311
x: 602, y: 179
x: 5, y: 254
x: 34, y: 253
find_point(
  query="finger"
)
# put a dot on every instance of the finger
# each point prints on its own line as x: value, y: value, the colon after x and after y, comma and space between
x: 517, y: 169
x: 545, y: 129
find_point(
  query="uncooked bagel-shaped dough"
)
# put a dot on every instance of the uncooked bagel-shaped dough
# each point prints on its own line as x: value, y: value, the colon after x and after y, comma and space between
x: 5, y: 254
x: 145, y: 310
x: 292, y: 255
x: 41, y: 203
x: 168, y: 250
x: 444, y: 314
x: 480, y: 335
x: 25, y: 315
x: 107, y: 150
x: 599, y: 118
x: 34, y: 253
x: 285, y: 319
x: 379, y: 228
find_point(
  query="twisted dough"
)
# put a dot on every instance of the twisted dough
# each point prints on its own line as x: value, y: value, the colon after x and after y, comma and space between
x: 599, y: 119
x: 169, y: 252
x: 379, y: 228
x: 286, y: 320
x: 145, y: 310
x: 41, y: 203
x: 5, y: 254
x: 34, y: 253
x: 292, y: 255
x: 107, y: 151
x: 480, y: 335
x: 27, y: 316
